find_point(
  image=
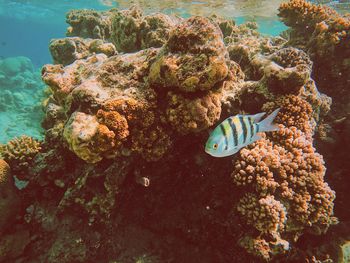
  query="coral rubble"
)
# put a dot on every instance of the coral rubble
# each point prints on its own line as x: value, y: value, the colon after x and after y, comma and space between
x: 122, y: 175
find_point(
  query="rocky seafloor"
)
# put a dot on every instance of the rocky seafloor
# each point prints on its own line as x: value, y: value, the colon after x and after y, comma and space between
x: 122, y: 176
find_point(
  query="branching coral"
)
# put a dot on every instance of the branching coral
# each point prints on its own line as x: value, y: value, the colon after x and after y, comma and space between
x: 285, y: 174
x: 324, y: 34
x: 19, y: 153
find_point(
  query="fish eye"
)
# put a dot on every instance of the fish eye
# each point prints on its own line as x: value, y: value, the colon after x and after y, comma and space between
x: 215, y: 146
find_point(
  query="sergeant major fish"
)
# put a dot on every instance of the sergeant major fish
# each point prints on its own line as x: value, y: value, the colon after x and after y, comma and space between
x: 237, y: 132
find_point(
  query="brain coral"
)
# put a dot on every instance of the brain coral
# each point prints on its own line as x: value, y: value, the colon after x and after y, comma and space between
x: 286, y: 179
x: 19, y: 153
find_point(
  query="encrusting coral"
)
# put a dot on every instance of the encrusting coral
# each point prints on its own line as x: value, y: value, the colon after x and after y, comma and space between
x: 132, y: 31
x: 67, y: 50
x: 124, y: 137
x: 90, y: 23
x: 193, y: 59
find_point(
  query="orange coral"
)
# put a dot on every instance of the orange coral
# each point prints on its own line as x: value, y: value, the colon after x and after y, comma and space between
x: 286, y: 176
x: 188, y: 115
x: 301, y: 13
x: 4, y: 173
x: 20, y: 153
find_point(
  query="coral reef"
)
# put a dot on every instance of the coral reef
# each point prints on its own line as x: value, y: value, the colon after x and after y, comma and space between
x: 19, y: 154
x: 66, y: 51
x: 122, y: 176
x: 129, y: 30
x: 132, y: 31
x: 194, y: 58
x: 324, y: 35
x: 20, y: 95
x: 89, y: 23
x: 287, y: 167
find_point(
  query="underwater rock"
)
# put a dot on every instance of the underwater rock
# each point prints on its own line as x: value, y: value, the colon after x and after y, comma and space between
x: 83, y: 133
x: 129, y: 30
x: 12, y: 245
x: 132, y: 31
x: 90, y: 23
x: 109, y: 105
x: 193, y: 59
x: 244, y: 42
x: 285, y: 71
x: 188, y: 115
x: 65, y: 51
x: 9, y: 199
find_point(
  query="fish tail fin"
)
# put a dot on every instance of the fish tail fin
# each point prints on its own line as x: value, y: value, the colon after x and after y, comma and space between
x: 267, y: 124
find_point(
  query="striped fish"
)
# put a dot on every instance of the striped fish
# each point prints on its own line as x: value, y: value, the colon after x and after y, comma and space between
x: 237, y: 132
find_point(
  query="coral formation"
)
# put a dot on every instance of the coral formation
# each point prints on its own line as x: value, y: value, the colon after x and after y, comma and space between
x: 19, y: 153
x: 194, y: 58
x: 324, y: 35
x: 89, y: 23
x: 122, y: 175
x: 67, y: 50
x: 286, y: 166
x: 132, y: 31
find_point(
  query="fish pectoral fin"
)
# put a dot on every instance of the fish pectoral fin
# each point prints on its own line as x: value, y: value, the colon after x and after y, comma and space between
x: 257, y: 117
x: 255, y: 138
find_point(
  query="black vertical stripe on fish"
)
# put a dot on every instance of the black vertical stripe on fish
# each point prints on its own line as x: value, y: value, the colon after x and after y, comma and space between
x: 257, y: 128
x: 251, y: 125
x: 234, y: 132
x: 244, y: 128
x: 225, y: 135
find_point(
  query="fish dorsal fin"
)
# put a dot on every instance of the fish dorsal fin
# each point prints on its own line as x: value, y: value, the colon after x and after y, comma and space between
x: 257, y: 117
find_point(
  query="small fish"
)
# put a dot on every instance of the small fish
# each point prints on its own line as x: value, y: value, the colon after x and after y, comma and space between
x: 237, y: 132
